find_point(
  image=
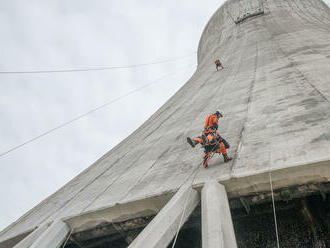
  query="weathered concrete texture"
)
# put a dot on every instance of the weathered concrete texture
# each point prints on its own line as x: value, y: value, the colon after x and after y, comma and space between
x: 53, y: 237
x: 217, y: 225
x: 32, y: 237
x: 162, y: 229
x: 274, y: 93
x: 119, y: 212
x: 15, y: 240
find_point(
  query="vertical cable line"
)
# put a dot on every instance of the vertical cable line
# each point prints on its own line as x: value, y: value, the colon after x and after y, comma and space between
x: 274, y: 209
x: 195, y: 172
x: 194, y: 176
x: 185, y: 206
x: 90, y: 112
x: 67, y: 238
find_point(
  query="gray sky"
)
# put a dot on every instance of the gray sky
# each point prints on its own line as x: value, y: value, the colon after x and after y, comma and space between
x: 41, y: 35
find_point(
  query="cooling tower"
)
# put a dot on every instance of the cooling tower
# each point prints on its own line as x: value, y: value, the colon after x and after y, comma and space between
x: 274, y: 92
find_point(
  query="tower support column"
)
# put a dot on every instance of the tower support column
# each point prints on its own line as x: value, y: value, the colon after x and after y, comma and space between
x: 53, y: 237
x: 217, y: 224
x: 32, y: 237
x: 162, y: 229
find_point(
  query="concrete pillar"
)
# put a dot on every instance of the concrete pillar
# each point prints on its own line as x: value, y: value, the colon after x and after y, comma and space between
x: 53, y: 237
x: 32, y: 237
x: 162, y: 229
x: 217, y: 225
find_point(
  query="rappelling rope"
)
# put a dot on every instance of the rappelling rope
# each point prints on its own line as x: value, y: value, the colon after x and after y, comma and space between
x: 69, y: 236
x: 91, y: 111
x: 81, y: 246
x: 121, y: 232
x: 185, y: 207
x: 118, y: 230
x: 188, y: 195
x: 100, y: 68
x: 66, y: 240
x: 274, y: 209
x: 195, y: 172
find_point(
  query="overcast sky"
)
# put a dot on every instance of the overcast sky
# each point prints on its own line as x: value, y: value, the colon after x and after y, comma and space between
x: 51, y: 35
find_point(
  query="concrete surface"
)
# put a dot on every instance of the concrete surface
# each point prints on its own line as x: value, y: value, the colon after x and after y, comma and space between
x: 217, y: 224
x: 53, y: 237
x: 162, y: 229
x: 119, y: 212
x: 32, y: 237
x: 274, y: 93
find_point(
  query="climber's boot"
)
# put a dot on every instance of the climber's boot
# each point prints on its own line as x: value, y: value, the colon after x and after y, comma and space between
x: 191, y: 142
x: 226, y: 158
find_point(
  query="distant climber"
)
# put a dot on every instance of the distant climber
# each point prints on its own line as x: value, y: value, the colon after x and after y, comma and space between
x: 211, y: 140
x: 218, y: 64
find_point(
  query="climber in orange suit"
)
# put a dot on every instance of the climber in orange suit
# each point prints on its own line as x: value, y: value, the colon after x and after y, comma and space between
x: 218, y: 64
x: 211, y: 140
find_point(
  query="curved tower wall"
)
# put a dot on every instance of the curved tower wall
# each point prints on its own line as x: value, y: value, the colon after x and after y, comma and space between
x: 274, y: 93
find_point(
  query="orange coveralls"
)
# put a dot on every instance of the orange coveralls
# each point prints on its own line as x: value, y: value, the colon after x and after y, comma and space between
x: 210, y: 138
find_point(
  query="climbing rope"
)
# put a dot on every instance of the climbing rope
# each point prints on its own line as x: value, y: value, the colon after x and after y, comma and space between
x: 69, y: 237
x: 194, y: 174
x: 80, y: 245
x: 185, y: 207
x: 186, y: 200
x: 274, y: 209
x: 89, y: 112
x: 101, y: 68
x: 188, y: 195
x: 66, y: 240
x: 118, y: 230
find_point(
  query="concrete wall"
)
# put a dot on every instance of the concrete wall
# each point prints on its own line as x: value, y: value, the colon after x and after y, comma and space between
x: 274, y: 93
